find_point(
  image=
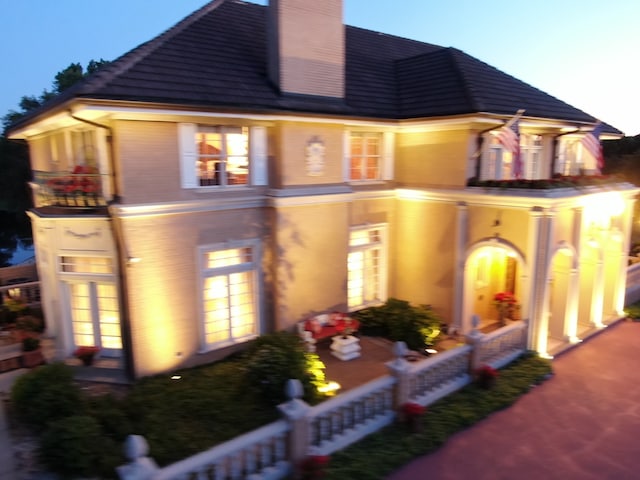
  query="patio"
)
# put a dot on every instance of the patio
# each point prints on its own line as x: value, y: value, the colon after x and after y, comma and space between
x: 371, y: 364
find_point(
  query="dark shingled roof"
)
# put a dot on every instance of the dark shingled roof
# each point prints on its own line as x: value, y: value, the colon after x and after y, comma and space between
x: 217, y: 58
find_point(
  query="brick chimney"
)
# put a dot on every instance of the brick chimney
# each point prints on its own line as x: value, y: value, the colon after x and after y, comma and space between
x: 306, y: 47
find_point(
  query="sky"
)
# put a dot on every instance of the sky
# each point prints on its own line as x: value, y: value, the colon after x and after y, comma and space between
x: 583, y: 52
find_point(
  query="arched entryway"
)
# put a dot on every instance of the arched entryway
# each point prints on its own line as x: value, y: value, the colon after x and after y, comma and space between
x: 561, y: 301
x: 493, y: 267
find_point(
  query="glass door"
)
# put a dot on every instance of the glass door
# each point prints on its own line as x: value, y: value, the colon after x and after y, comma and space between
x: 95, y: 316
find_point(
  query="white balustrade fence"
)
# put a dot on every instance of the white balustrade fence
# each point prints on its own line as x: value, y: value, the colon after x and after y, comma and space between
x: 347, y: 418
x: 273, y: 452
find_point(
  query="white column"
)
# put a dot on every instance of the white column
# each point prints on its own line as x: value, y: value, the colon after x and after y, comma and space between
x: 462, y: 233
x: 626, y: 224
x: 571, y: 317
x: 532, y: 299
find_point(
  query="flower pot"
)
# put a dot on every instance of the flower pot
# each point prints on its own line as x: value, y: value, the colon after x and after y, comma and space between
x: 87, y: 361
x: 33, y: 358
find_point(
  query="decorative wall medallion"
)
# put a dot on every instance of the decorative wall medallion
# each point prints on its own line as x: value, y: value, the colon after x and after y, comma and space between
x: 96, y: 233
x: 315, y: 157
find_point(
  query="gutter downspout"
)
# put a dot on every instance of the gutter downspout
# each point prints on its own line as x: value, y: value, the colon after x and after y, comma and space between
x: 118, y: 240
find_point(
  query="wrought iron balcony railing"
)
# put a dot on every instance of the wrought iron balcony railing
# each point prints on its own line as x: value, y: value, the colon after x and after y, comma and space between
x: 65, y: 189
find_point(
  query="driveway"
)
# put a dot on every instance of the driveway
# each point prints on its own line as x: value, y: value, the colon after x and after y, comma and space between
x: 582, y: 424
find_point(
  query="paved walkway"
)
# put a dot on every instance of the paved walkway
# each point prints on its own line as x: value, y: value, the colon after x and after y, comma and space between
x: 583, y: 424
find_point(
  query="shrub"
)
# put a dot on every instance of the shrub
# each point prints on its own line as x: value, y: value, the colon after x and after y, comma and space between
x: 275, y: 358
x: 30, y: 323
x: 75, y: 446
x: 397, y: 320
x: 45, y: 394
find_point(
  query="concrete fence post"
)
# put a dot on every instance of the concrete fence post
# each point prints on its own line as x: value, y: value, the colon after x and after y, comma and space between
x: 400, y: 369
x: 295, y: 411
x: 140, y: 466
x: 474, y: 340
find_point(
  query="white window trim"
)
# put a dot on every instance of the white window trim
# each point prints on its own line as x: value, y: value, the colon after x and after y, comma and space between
x: 387, y: 157
x: 258, y: 158
x: 255, y: 245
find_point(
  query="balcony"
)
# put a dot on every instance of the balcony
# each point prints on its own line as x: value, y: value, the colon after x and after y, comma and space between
x: 557, y: 187
x: 80, y: 189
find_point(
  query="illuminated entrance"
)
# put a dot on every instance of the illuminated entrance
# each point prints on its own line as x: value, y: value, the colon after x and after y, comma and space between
x: 494, y: 284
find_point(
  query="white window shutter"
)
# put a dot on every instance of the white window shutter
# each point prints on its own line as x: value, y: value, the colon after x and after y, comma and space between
x: 258, y: 164
x: 188, y: 156
x: 388, y: 157
x: 346, y: 157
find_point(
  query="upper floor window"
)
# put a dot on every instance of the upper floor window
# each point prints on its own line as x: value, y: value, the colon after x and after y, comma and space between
x: 498, y: 163
x: 365, y: 156
x: 222, y: 155
x: 572, y: 158
x: 84, y: 147
x: 369, y: 156
x: 531, y: 155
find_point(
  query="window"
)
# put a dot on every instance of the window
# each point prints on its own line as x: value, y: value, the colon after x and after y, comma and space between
x: 367, y: 270
x: 531, y: 155
x: 229, y: 295
x: 497, y: 164
x: 572, y: 157
x: 365, y: 156
x: 369, y: 156
x: 222, y: 156
x: 93, y: 304
x: 84, y: 148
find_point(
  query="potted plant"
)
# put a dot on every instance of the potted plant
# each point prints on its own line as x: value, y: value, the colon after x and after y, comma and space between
x: 31, y: 352
x: 412, y: 413
x: 486, y: 376
x: 86, y: 354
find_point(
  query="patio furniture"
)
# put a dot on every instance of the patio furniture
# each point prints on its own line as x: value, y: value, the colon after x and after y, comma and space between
x: 326, y: 325
x: 345, y: 347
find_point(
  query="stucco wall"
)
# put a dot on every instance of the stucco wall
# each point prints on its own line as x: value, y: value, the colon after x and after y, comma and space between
x: 424, y: 254
x: 293, y: 138
x: 164, y: 284
x: 311, y: 263
x: 432, y: 158
x: 147, y: 159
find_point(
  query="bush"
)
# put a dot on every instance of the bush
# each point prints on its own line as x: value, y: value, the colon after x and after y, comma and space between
x: 273, y: 359
x: 45, y: 394
x: 30, y: 323
x: 75, y: 446
x: 397, y: 320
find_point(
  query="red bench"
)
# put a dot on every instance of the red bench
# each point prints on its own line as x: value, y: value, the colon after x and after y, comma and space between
x: 326, y: 325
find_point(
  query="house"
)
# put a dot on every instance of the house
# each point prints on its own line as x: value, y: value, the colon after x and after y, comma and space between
x: 254, y: 165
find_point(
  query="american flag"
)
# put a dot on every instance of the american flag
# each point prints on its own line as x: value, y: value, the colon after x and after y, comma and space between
x: 509, y: 137
x: 591, y: 142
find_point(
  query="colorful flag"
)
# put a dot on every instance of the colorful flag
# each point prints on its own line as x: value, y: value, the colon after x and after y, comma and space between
x: 509, y: 137
x: 591, y: 142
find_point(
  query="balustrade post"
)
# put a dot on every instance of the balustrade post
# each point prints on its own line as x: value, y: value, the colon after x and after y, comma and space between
x: 400, y: 369
x: 474, y: 340
x: 140, y: 466
x: 295, y: 411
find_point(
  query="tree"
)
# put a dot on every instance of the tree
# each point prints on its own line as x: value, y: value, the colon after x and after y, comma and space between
x: 63, y: 80
x: 15, y: 196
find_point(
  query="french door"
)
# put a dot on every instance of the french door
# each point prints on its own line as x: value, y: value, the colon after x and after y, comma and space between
x: 95, y: 316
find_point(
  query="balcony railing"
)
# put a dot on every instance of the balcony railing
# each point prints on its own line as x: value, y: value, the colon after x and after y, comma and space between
x: 65, y: 189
